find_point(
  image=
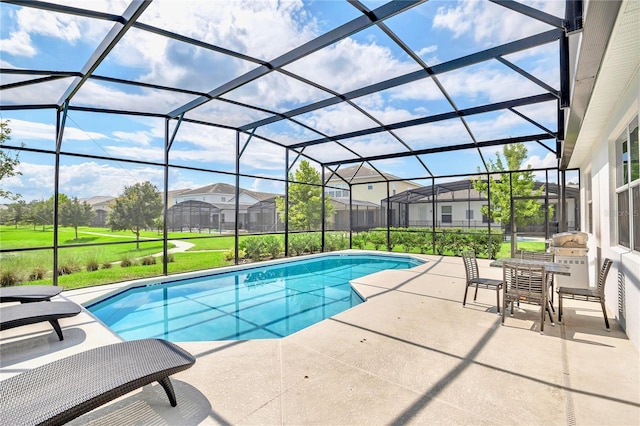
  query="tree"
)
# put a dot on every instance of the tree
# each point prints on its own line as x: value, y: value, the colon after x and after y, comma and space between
x: 135, y: 209
x: 305, y: 199
x: 8, y: 164
x: 74, y: 213
x: 522, y: 185
x: 41, y: 213
x: 17, y: 212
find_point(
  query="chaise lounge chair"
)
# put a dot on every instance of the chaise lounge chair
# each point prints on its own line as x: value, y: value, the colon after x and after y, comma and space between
x: 58, y: 392
x: 29, y: 293
x: 33, y: 313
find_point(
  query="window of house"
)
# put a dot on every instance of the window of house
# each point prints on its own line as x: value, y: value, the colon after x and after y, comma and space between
x: 485, y: 218
x: 223, y: 199
x: 370, y: 186
x: 446, y: 214
x: 393, y: 188
x: 340, y: 190
x: 468, y: 214
x: 628, y: 187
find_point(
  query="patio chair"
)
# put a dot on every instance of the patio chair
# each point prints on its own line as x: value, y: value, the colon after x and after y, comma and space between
x: 545, y: 257
x: 29, y: 293
x: 62, y: 390
x: 474, y: 279
x: 525, y: 283
x: 588, y: 294
x: 33, y: 313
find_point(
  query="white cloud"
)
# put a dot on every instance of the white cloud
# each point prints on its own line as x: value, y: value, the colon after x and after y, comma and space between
x: 140, y: 138
x: 536, y: 162
x: 349, y: 64
x: 488, y: 23
x: 82, y: 180
x: 18, y: 43
x: 30, y: 130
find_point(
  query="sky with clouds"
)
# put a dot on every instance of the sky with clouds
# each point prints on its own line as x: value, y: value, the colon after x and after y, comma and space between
x: 437, y: 32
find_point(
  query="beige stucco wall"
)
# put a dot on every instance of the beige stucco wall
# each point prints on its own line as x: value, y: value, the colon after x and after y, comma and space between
x: 378, y: 192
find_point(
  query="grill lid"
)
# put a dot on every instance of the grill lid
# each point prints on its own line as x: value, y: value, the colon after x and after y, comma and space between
x: 573, y: 239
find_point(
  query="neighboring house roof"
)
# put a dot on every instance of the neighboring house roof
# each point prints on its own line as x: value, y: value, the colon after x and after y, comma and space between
x: 462, y: 190
x: 354, y: 174
x: 359, y: 173
x: 225, y: 188
x: 97, y: 199
x: 355, y: 203
x: 215, y: 188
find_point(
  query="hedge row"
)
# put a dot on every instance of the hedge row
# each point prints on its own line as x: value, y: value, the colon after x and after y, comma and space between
x: 260, y: 247
x: 447, y: 240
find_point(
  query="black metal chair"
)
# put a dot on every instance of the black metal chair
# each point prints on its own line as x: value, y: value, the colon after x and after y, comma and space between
x: 474, y: 279
x: 588, y: 294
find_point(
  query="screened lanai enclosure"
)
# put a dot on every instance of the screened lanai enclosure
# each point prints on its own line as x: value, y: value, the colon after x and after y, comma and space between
x: 149, y: 105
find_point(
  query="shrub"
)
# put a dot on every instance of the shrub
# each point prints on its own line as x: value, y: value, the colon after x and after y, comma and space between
x: 360, y: 240
x: 271, y: 246
x: 37, y: 273
x: 335, y: 241
x: 252, y: 247
x: 92, y: 265
x: 126, y: 262
x: 170, y: 258
x: 106, y: 265
x: 230, y: 255
x: 378, y: 239
x: 68, y: 267
x: 148, y: 260
x: 297, y: 244
x: 9, y: 278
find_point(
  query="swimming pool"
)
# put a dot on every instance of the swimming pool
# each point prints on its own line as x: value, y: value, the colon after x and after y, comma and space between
x: 262, y: 302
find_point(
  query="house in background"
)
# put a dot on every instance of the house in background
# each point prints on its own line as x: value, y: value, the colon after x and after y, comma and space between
x: 458, y: 204
x: 212, y: 207
x: 101, y: 205
x: 366, y: 184
x: 601, y: 138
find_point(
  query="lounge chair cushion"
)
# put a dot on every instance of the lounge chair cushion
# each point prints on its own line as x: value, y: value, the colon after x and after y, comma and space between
x: 33, y: 313
x: 28, y: 293
x: 60, y: 391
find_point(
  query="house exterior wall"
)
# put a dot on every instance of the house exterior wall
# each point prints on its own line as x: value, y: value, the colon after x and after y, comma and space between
x: 378, y: 191
x: 622, y: 290
x: 421, y: 214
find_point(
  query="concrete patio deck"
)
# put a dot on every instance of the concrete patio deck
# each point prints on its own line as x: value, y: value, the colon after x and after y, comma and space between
x: 410, y: 354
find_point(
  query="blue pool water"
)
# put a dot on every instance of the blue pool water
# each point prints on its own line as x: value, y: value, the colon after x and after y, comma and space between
x: 255, y: 303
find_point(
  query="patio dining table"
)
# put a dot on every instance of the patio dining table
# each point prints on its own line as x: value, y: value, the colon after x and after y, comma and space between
x: 550, y: 267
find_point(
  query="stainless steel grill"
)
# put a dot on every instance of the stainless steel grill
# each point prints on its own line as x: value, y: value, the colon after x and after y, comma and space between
x: 571, y: 249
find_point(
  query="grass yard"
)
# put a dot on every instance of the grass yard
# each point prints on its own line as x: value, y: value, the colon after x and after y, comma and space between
x: 83, y: 266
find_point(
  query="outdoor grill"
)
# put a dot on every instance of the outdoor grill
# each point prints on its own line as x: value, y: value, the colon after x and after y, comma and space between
x: 570, y: 248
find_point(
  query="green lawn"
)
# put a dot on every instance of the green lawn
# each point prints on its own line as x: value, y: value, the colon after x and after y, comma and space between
x: 206, y: 253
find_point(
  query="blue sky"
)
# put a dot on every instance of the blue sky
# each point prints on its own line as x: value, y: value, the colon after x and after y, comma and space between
x: 437, y: 31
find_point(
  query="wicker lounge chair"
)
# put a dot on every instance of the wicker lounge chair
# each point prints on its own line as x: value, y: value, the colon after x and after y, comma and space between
x: 590, y: 295
x: 29, y: 293
x: 33, y: 313
x: 58, y: 392
x: 474, y: 280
